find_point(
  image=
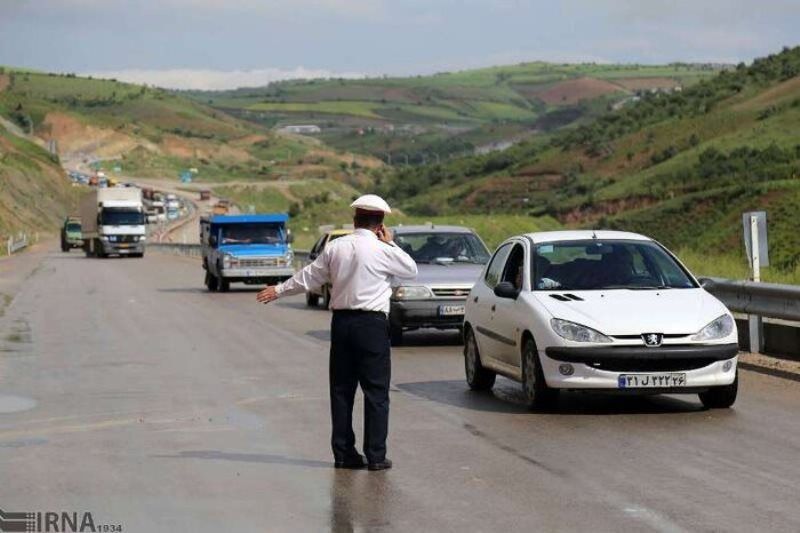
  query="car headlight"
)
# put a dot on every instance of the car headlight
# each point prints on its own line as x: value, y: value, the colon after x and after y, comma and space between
x: 142, y: 238
x: 575, y: 332
x: 288, y: 258
x: 717, y: 329
x: 227, y: 260
x: 412, y: 293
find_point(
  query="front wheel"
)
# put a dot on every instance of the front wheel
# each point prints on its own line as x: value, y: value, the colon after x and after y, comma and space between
x: 721, y: 397
x: 212, y: 283
x: 396, y: 334
x: 224, y: 285
x: 312, y: 300
x: 537, y: 393
x: 478, y: 378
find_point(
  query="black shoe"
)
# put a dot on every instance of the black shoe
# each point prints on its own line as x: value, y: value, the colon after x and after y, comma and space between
x: 355, y: 462
x: 386, y: 464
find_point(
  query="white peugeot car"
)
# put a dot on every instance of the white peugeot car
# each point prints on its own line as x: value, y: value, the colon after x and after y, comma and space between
x: 602, y: 310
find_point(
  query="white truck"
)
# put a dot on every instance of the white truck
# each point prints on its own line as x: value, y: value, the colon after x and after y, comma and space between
x: 113, y: 222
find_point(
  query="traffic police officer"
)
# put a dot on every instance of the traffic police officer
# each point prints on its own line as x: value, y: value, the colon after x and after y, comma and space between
x: 361, y: 268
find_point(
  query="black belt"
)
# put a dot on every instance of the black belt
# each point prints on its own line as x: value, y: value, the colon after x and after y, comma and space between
x: 358, y: 312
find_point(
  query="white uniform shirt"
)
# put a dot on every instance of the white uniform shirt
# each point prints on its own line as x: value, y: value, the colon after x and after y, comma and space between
x: 361, y: 270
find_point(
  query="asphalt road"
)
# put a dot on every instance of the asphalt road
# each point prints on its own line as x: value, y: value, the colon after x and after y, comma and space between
x: 128, y: 391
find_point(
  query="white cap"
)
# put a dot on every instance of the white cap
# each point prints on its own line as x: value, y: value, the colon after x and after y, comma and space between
x: 371, y: 202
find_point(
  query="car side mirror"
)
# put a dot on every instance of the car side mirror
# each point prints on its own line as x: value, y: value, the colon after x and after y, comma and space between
x: 706, y: 283
x: 506, y: 289
x: 312, y: 256
x: 289, y: 237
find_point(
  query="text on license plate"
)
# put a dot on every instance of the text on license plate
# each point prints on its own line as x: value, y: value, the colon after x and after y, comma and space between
x: 644, y: 381
x: 451, y: 310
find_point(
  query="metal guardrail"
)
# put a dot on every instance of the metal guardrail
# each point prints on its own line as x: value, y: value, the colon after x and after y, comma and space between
x: 770, y: 300
x: 17, y: 243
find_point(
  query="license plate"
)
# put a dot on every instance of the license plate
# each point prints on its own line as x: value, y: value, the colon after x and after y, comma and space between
x: 651, y: 381
x: 124, y: 245
x: 451, y: 310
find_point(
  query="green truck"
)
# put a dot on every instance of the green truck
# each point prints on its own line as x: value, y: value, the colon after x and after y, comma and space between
x: 71, y: 236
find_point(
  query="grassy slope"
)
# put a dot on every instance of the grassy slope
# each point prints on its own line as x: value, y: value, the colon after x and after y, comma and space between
x: 320, y: 202
x: 445, y: 106
x: 680, y: 168
x: 34, y: 195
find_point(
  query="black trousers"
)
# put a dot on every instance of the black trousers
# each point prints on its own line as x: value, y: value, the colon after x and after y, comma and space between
x: 360, y: 355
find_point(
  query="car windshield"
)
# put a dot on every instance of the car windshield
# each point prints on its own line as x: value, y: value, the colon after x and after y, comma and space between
x: 430, y: 247
x: 252, y: 234
x: 121, y: 217
x: 73, y: 227
x: 607, y: 264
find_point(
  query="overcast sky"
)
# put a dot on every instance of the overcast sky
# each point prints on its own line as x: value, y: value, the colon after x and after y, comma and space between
x: 228, y: 43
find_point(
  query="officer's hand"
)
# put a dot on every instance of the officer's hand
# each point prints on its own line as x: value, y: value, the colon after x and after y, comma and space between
x: 270, y: 294
x: 384, y: 234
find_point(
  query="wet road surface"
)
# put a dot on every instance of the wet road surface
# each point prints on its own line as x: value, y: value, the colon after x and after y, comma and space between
x: 128, y: 391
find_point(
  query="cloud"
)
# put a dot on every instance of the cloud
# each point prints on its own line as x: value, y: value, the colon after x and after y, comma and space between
x: 207, y: 79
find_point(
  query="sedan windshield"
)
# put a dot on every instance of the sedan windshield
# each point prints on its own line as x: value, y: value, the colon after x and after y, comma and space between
x: 252, y: 234
x: 606, y: 264
x: 73, y: 227
x: 430, y: 247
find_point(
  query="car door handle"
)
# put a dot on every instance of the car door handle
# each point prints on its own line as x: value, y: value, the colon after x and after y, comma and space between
x: 494, y: 307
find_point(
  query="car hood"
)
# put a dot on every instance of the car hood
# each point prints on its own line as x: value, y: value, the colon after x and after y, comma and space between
x: 254, y: 250
x: 462, y: 274
x: 633, y: 312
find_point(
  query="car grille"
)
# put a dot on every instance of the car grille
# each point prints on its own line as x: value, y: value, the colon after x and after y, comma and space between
x: 258, y: 263
x: 651, y: 365
x: 450, y: 292
x: 127, y: 238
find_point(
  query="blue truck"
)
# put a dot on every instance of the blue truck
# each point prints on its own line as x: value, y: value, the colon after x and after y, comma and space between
x: 251, y: 249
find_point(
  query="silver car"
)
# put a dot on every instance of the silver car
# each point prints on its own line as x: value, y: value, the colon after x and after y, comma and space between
x: 450, y: 260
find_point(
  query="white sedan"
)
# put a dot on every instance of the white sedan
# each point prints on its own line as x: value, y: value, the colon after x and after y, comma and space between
x: 602, y: 310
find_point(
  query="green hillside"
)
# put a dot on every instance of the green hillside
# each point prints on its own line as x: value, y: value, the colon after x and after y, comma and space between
x: 681, y: 167
x: 417, y: 119
x: 154, y: 133
x: 34, y: 193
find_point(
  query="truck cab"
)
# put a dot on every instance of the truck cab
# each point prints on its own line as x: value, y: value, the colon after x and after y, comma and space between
x: 251, y: 249
x: 113, y: 222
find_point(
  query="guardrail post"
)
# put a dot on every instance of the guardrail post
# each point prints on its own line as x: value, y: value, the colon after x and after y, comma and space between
x: 755, y: 322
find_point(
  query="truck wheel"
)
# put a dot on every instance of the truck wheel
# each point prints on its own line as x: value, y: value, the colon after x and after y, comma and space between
x: 312, y: 300
x: 396, y: 335
x: 478, y: 378
x: 537, y: 393
x: 98, y: 249
x: 65, y: 247
x: 224, y: 285
x: 211, y: 282
x: 721, y: 397
x: 87, y: 248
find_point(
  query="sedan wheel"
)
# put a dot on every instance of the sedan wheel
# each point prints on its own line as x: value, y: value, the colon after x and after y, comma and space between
x: 721, y: 397
x: 478, y: 378
x: 537, y: 393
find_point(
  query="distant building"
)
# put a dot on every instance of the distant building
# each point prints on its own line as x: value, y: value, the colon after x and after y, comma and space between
x: 302, y: 129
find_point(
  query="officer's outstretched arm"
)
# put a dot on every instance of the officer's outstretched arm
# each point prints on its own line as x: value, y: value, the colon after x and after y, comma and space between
x: 312, y: 277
